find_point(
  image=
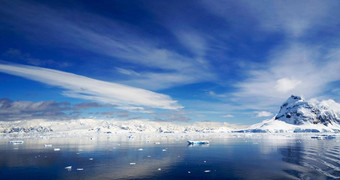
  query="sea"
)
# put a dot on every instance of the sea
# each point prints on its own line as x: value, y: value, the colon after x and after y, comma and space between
x: 227, y: 156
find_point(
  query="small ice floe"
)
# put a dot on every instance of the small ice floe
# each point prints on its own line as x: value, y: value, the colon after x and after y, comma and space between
x: 80, y: 169
x: 149, y: 156
x: 15, y: 148
x: 78, y: 153
x: 159, y: 169
x: 323, y: 137
x: 48, y: 145
x: 56, y: 149
x: 163, y: 150
x: 207, y: 171
x: 17, y: 142
x: 91, y: 159
x: 132, y: 163
x: 198, y: 142
x: 140, y: 149
x: 157, y: 143
x: 205, y: 161
x: 69, y: 168
x: 189, y: 172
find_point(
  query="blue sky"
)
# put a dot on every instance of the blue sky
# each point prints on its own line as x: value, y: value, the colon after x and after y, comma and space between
x: 228, y: 61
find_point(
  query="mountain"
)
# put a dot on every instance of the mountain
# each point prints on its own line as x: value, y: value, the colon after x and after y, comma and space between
x: 97, y: 126
x: 295, y: 115
x: 299, y: 115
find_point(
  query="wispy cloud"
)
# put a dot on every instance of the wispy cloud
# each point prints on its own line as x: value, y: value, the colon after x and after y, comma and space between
x: 227, y: 116
x: 25, y: 110
x: 15, y: 55
x: 86, y: 88
x: 291, y: 18
x: 294, y: 69
x: 106, y: 37
x: 263, y: 114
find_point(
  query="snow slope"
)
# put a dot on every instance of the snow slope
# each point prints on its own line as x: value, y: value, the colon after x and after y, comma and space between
x: 298, y: 115
x: 96, y: 126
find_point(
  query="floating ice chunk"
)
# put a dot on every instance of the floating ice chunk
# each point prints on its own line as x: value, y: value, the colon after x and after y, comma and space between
x: 163, y: 150
x: 157, y: 143
x: 15, y: 148
x: 48, y: 145
x: 207, y: 171
x: 323, y: 137
x: 17, y: 142
x: 56, y: 149
x: 198, y: 142
x: 91, y: 159
x: 189, y: 172
x: 205, y: 161
x: 69, y: 168
x: 132, y: 163
x: 149, y: 156
x: 140, y: 149
x: 80, y: 169
x: 159, y: 169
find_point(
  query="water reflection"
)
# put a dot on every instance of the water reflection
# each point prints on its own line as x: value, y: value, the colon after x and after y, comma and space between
x: 232, y: 156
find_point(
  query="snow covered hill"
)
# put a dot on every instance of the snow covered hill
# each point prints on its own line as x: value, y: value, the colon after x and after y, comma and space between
x: 298, y: 115
x: 96, y: 126
x: 295, y: 115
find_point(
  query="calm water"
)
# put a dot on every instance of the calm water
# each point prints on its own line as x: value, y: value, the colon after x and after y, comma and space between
x: 231, y: 157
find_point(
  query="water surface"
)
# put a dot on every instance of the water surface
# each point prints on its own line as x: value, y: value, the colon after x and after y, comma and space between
x: 169, y: 157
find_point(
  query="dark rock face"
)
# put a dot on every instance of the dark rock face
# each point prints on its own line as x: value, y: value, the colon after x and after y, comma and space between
x: 297, y: 111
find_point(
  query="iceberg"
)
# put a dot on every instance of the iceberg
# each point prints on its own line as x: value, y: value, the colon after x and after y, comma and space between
x: 17, y: 142
x: 198, y: 142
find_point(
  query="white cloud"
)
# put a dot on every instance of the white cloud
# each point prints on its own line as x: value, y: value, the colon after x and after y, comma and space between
x: 263, y: 114
x: 106, y: 37
x: 128, y: 72
x: 293, y: 69
x: 286, y: 84
x: 228, y: 116
x: 86, y: 88
x: 293, y: 18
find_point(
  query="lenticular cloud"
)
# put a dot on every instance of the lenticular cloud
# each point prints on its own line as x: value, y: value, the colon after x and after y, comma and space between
x: 87, y: 88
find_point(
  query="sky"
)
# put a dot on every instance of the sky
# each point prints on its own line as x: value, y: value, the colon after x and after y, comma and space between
x: 179, y: 61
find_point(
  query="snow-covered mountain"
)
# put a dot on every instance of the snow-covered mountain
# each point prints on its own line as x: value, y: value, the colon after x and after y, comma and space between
x: 295, y: 115
x: 96, y: 126
x: 298, y: 115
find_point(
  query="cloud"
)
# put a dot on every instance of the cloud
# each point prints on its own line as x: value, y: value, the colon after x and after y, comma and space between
x: 91, y: 89
x: 291, y: 18
x: 228, y: 116
x: 89, y: 105
x: 128, y: 72
x: 106, y: 37
x: 285, y: 84
x: 263, y: 114
x: 176, y: 115
x: 15, y: 55
x: 22, y: 110
x: 293, y: 69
